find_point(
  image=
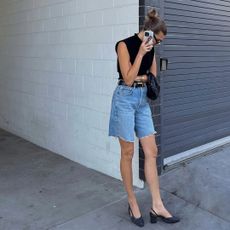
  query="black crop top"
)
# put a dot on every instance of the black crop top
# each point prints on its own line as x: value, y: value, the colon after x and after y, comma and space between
x: 133, y: 44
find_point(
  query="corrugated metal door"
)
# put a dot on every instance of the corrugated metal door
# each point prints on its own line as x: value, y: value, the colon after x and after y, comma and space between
x: 195, y: 105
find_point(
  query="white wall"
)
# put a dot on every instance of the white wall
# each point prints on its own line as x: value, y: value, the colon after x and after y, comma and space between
x: 58, y: 72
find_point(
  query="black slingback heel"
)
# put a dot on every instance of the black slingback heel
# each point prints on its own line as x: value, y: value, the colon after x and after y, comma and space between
x: 138, y: 221
x: 169, y: 220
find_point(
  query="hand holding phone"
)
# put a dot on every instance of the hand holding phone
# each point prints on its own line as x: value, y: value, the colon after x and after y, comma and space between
x: 147, y: 43
x: 148, y: 36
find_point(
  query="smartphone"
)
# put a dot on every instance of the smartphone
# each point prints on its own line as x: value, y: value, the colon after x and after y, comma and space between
x: 148, y: 35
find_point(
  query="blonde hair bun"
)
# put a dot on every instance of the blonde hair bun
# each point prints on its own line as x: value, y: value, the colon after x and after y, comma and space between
x: 152, y: 14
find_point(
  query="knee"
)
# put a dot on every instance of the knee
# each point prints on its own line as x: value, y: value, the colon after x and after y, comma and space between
x: 155, y: 150
x: 152, y: 153
x: 127, y: 153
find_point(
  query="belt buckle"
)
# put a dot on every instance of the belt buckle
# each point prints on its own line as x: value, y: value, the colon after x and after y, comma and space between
x: 139, y: 84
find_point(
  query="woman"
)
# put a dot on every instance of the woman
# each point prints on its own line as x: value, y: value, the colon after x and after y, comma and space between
x: 130, y: 112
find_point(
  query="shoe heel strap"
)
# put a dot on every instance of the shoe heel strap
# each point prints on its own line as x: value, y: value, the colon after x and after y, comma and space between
x: 130, y: 210
x: 154, y: 212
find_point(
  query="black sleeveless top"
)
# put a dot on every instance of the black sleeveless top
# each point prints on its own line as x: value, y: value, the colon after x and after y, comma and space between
x: 133, y: 44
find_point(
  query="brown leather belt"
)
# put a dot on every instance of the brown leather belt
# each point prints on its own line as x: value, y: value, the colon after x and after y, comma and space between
x: 135, y: 83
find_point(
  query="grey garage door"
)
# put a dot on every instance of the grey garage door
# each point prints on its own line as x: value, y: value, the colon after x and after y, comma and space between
x: 195, y: 105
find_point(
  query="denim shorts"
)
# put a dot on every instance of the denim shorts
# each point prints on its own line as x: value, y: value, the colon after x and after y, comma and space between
x: 130, y: 113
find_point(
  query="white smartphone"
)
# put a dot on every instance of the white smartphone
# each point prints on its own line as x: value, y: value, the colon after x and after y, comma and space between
x: 148, y: 34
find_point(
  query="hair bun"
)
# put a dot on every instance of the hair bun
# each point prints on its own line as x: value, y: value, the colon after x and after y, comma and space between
x: 152, y: 14
x: 154, y: 22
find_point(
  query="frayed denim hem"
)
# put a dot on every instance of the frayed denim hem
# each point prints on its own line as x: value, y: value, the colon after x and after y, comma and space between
x: 123, y: 138
x: 148, y: 135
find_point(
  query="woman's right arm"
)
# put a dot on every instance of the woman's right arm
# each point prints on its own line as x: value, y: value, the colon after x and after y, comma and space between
x: 129, y: 71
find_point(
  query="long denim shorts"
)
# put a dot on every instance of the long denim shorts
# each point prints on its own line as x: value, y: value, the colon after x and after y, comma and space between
x: 130, y: 113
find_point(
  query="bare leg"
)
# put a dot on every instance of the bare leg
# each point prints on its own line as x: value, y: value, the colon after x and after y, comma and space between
x: 150, y: 168
x: 127, y: 151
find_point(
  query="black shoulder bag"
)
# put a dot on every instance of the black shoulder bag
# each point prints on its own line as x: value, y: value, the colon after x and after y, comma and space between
x: 153, y: 88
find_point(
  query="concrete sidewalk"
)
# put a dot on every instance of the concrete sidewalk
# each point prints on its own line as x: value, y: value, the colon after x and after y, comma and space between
x: 42, y: 190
